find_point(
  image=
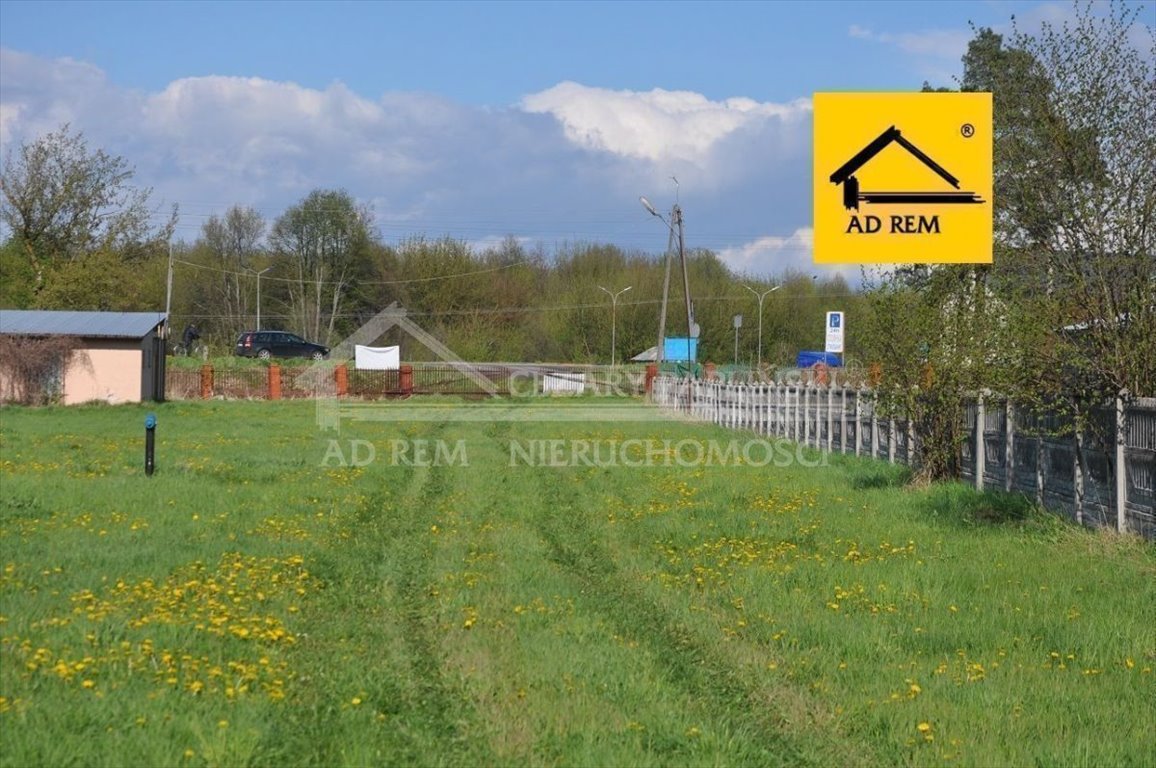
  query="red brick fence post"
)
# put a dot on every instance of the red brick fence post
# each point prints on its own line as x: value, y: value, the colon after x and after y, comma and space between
x: 341, y: 379
x: 206, y: 381
x: 274, y: 382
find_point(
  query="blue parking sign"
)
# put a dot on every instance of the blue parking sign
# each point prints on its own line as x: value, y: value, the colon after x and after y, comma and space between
x: 835, y: 329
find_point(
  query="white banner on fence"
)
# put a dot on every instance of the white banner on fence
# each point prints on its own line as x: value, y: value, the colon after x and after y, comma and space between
x: 564, y: 382
x: 377, y: 358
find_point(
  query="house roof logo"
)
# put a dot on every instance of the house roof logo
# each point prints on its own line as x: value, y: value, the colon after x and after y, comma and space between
x: 912, y: 176
x: 329, y: 410
x: 514, y: 399
x: 852, y: 195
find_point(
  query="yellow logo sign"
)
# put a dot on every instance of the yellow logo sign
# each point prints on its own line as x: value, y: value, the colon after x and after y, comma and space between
x: 902, y: 178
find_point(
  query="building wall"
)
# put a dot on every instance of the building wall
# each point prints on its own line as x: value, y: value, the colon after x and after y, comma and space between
x: 108, y: 370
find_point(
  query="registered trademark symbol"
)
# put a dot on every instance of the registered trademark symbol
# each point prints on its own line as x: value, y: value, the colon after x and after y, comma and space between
x: 967, y: 129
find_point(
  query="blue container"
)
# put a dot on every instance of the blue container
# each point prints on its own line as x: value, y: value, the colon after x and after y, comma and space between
x: 807, y: 359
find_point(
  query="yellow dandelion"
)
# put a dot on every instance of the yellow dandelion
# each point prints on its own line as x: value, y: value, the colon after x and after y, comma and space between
x: 355, y: 701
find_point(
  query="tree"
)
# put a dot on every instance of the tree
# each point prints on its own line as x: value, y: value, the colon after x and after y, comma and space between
x: 322, y: 242
x: 63, y: 202
x: 1065, y: 317
x: 230, y: 246
x: 1075, y: 152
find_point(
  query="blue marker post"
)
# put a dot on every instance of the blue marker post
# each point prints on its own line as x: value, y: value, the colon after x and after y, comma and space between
x: 150, y: 443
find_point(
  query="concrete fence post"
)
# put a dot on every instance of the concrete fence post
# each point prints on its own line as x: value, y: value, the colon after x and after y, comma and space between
x: 858, y: 421
x: 1009, y: 456
x: 1121, y: 464
x: 788, y: 415
x: 910, y: 441
x: 891, y: 438
x: 980, y: 444
x: 830, y: 414
x: 1078, y: 472
x: 1041, y: 457
x: 874, y: 425
x: 807, y: 415
x: 843, y: 422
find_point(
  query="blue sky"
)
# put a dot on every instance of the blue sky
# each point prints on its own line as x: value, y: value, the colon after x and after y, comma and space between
x: 544, y: 121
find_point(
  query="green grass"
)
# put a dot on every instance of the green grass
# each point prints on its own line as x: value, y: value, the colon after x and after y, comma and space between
x: 227, y: 362
x: 248, y: 605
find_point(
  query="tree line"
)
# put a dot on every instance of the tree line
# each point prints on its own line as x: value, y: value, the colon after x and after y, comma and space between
x: 81, y: 236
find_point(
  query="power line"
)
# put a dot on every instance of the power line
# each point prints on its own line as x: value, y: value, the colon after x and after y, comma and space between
x: 526, y: 310
x: 359, y: 282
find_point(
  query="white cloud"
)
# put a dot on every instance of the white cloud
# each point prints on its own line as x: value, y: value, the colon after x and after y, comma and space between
x: 935, y: 43
x: 661, y: 126
x: 39, y: 95
x: 770, y: 255
x: 566, y: 165
x: 498, y: 242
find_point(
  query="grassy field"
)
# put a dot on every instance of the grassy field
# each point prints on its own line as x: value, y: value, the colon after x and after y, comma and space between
x: 257, y: 603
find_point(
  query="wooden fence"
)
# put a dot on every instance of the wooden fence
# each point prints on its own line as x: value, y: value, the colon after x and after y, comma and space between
x: 1105, y: 476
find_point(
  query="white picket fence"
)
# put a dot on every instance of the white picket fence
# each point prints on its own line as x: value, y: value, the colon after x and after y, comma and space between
x: 1113, y: 485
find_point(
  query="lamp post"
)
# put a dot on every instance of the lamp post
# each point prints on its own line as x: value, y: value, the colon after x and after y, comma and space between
x: 738, y: 324
x: 761, y: 296
x: 614, y: 320
x: 263, y: 271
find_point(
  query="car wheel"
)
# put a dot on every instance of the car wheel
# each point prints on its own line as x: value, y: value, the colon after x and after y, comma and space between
x: 264, y: 354
x: 317, y: 355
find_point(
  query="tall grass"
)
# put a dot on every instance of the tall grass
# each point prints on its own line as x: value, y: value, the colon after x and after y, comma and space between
x: 257, y: 603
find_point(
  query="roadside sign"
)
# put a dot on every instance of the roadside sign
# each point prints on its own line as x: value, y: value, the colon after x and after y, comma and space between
x: 835, y: 327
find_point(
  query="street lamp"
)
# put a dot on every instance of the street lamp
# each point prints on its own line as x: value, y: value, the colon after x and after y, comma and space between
x: 614, y: 319
x: 761, y: 296
x: 263, y: 271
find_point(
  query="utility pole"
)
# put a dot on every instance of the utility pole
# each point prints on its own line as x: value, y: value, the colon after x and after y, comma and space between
x: 676, y: 216
x: 690, y: 334
x: 169, y: 293
x: 660, y: 347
